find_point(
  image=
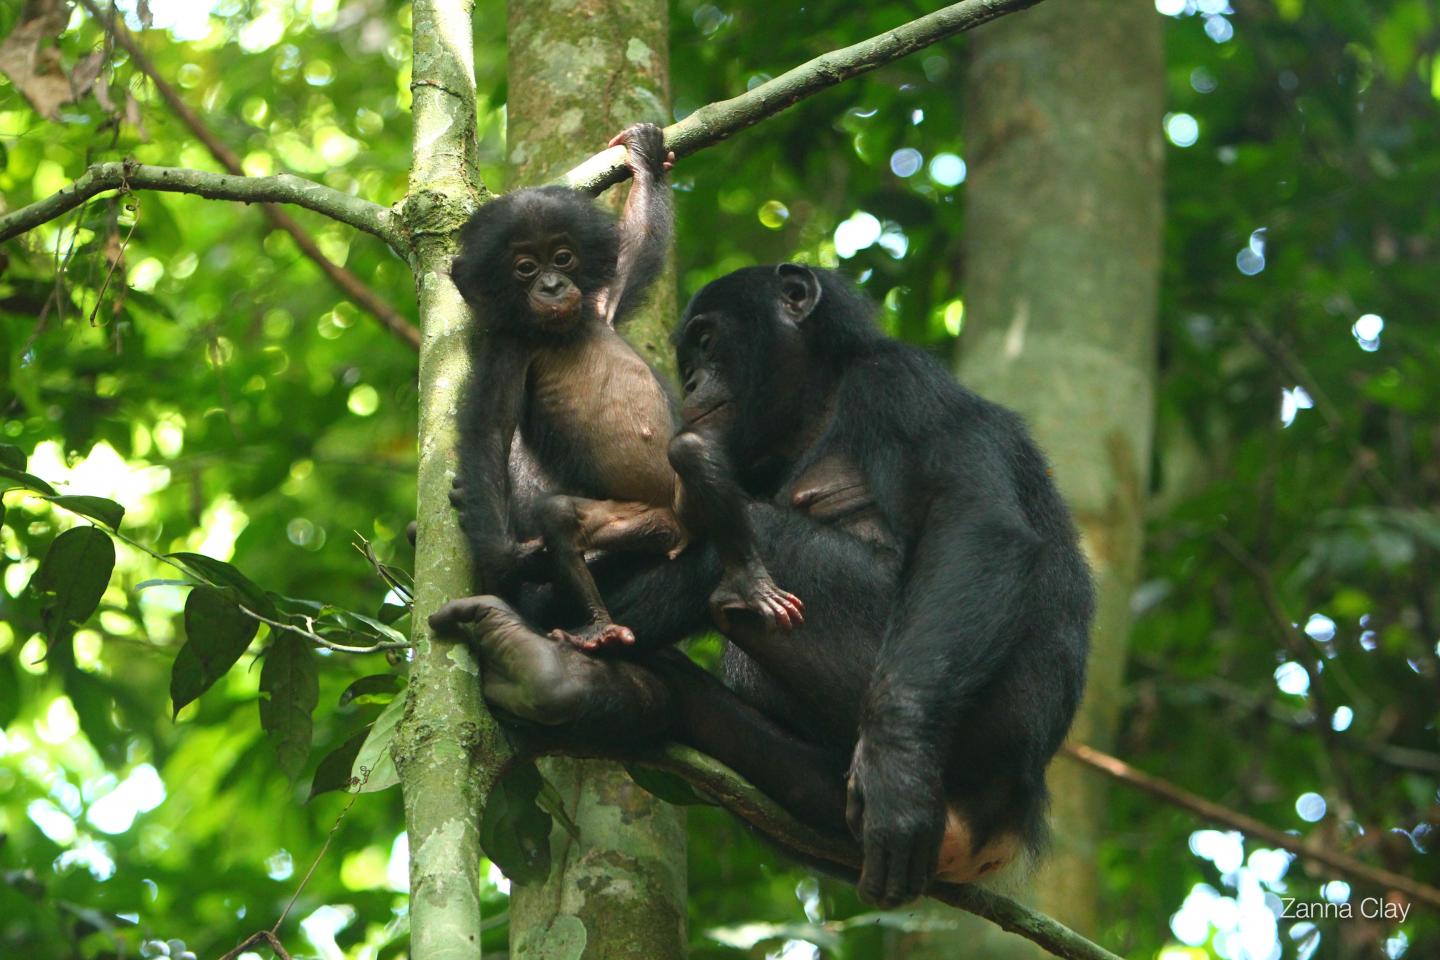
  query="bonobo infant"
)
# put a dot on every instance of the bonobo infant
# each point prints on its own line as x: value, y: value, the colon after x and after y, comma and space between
x: 948, y: 604
x: 551, y: 275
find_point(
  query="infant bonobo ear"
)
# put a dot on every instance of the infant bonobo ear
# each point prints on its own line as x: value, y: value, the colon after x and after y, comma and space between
x: 799, y: 290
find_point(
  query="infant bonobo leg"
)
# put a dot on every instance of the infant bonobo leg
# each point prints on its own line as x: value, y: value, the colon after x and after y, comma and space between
x: 574, y: 525
x: 591, y: 705
x: 713, y: 503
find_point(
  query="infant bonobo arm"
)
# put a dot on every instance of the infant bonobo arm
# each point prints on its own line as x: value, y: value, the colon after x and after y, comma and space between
x: 487, y: 426
x: 647, y: 223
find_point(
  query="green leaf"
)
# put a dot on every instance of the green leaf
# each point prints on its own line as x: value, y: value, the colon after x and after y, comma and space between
x: 391, y: 612
x: 368, y: 627
x: 12, y: 456
x: 336, y: 770
x: 665, y: 785
x: 515, y: 832
x: 27, y: 480
x: 107, y: 512
x: 222, y: 574
x: 290, y: 690
x: 72, y: 578
x: 374, y: 768
x: 377, y: 688
x: 217, y: 634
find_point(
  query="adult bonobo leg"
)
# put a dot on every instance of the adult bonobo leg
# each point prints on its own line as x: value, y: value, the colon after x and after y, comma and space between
x: 615, y: 707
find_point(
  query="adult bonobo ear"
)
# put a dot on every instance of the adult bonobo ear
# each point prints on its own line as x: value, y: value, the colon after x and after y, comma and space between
x: 799, y: 290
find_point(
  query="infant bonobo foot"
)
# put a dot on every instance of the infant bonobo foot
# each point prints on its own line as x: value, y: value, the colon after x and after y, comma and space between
x: 526, y: 675
x: 597, y: 636
x: 758, y: 594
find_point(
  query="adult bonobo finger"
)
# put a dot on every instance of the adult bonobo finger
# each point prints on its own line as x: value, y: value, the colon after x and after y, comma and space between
x: 410, y: 529
x: 874, y: 870
x: 454, y: 616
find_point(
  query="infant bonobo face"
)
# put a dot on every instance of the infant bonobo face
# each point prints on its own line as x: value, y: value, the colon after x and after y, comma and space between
x: 546, y: 269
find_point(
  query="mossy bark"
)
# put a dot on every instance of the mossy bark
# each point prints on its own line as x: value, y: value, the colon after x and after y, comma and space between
x: 1063, y: 246
x: 579, y: 72
x: 447, y: 748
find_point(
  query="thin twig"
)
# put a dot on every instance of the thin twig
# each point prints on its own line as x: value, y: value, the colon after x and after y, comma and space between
x: 716, y: 121
x: 1376, y: 877
x: 349, y: 284
x: 324, y: 847
x: 308, y: 632
x: 260, y: 936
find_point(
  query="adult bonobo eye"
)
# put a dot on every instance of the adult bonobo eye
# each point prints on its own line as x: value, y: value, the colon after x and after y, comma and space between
x: 526, y: 267
x: 706, y: 339
x: 564, y: 259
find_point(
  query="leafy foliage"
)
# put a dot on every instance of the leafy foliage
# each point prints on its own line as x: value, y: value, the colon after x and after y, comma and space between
x: 177, y: 365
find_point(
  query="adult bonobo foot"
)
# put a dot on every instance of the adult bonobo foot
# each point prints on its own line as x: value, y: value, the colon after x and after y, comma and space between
x: 896, y: 808
x: 526, y: 675
x: 742, y: 589
x: 597, y: 636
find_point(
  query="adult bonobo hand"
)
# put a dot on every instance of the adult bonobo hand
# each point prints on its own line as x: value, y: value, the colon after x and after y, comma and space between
x: 895, y: 806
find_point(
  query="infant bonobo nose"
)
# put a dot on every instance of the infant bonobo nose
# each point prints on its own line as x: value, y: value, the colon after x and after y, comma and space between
x: 552, y: 283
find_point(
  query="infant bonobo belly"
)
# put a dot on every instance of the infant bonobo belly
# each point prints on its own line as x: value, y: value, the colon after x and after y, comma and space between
x: 619, y: 426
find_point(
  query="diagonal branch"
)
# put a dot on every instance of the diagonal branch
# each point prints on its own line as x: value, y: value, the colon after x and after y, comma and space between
x: 716, y: 121
x: 1375, y: 877
x: 741, y: 798
x: 348, y: 283
x: 283, y: 188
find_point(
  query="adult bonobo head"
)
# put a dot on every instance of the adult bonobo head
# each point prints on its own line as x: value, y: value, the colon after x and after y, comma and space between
x: 759, y: 348
x: 536, y: 261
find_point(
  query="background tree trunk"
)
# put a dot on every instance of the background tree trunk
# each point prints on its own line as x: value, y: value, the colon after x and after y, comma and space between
x: 1063, y: 245
x: 578, y: 74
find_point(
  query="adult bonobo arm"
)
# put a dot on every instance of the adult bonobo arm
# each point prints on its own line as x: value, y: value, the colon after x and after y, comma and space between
x: 993, y: 565
x: 647, y: 223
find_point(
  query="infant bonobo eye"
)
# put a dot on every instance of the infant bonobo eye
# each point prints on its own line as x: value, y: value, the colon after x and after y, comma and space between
x: 526, y: 267
x: 564, y: 258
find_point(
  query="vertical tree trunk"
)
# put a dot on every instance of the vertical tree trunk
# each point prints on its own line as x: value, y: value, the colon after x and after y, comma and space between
x: 578, y: 74
x: 445, y: 724
x: 1063, y: 248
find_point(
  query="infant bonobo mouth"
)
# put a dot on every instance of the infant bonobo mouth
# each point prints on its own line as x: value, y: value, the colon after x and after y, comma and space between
x: 558, y: 314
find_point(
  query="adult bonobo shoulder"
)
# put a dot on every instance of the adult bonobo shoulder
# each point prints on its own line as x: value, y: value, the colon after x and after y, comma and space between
x: 981, y: 664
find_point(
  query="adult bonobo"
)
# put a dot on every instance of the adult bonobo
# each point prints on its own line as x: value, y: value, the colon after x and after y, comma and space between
x: 947, y: 602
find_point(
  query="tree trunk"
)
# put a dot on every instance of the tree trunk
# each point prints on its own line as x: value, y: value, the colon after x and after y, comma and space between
x: 1063, y: 249
x: 578, y: 74
x: 445, y: 724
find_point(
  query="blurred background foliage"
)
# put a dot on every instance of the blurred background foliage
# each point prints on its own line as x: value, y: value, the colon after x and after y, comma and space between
x: 1286, y: 652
